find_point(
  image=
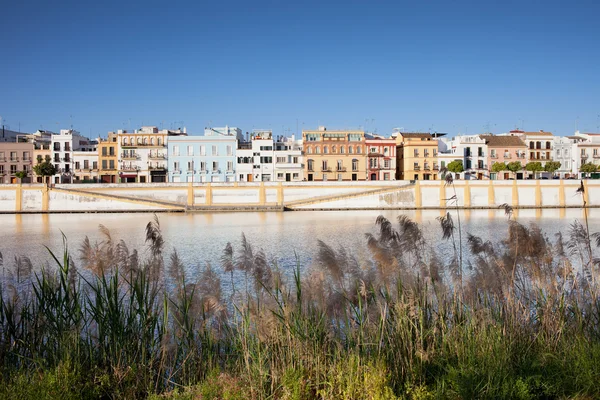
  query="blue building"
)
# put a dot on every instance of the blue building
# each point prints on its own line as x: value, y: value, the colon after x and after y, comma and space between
x: 207, y: 158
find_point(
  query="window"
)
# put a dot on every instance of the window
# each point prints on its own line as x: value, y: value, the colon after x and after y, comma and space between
x: 325, y: 150
x: 317, y: 150
x: 372, y: 162
x: 340, y: 165
x: 202, y: 150
x: 1, y: 156
x: 104, y: 152
x: 416, y: 152
x: 111, y: 151
x: 229, y: 166
x: 1, y: 169
x: 386, y: 176
x: 175, y: 150
x: 190, y: 150
x: 67, y: 158
x: 124, y: 141
x: 324, y: 164
x: 296, y: 175
x: 26, y: 156
x: 67, y: 169
x: 309, y: 150
x: 13, y: 156
x: 324, y: 177
x: 56, y: 157
x: 342, y: 148
x: 229, y: 150
x: 13, y: 169
x: 77, y: 165
x: 95, y: 165
x: 339, y: 177
x: 311, y: 165
x: 86, y: 164
x: 295, y: 160
x: 176, y: 167
x: 558, y: 152
x: 358, y: 149
x: 152, y: 141
x: 350, y: 149
x: 215, y: 151
x: 56, y: 146
x: 355, y: 165
x: 583, y: 152
x: 426, y: 153
x: 202, y: 166
x: 333, y: 149
x: 386, y: 163
x: 281, y: 159
x: 215, y: 164
x: 280, y: 175
x: 266, y: 160
x: 190, y: 166
x: 111, y: 164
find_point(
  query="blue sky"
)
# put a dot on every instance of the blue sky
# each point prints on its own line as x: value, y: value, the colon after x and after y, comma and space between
x: 444, y: 66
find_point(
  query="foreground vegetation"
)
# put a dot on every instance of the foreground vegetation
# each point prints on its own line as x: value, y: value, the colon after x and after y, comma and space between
x: 518, y: 318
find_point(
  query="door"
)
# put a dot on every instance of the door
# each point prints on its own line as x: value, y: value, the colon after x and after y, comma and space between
x: 288, y: 177
x: 373, y: 177
x: 354, y: 177
x: 310, y: 177
x: 249, y: 177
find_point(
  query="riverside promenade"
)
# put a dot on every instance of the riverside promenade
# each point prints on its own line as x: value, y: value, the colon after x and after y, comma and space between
x: 293, y: 196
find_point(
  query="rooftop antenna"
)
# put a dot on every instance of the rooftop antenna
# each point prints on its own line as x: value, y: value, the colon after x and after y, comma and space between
x: 71, y: 119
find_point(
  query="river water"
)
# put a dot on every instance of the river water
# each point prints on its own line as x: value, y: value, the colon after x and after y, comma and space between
x: 201, y: 238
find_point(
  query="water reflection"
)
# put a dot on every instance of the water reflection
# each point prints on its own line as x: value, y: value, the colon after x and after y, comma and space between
x: 201, y: 238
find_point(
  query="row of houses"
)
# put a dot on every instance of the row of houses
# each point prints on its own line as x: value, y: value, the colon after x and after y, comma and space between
x: 227, y: 155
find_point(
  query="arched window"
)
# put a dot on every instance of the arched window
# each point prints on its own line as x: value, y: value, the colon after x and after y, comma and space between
x: 309, y: 150
x: 311, y: 165
x: 317, y: 150
x: 333, y: 149
x: 386, y: 151
x: 139, y: 140
x: 159, y: 141
x: 350, y: 149
x: 145, y: 140
x: 325, y: 150
x: 358, y: 149
x: 342, y: 151
x: 124, y: 140
x: 152, y: 141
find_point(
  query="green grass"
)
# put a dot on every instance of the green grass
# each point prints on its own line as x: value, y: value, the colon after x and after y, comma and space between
x: 523, y: 323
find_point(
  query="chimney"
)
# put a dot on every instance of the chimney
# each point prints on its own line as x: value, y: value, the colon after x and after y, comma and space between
x: 247, y: 136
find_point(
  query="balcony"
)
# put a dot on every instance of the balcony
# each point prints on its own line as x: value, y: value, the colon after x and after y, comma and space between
x: 596, y: 155
x: 216, y: 171
x: 416, y: 168
x: 129, y: 168
x: 156, y: 156
x: 157, y: 168
x: 311, y: 169
x: 584, y: 156
x: 176, y: 171
x: 130, y: 156
x: 341, y: 169
x: 289, y: 165
x: 14, y: 159
x: 2, y: 159
x: 506, y: 155
x: 426, y: 168
x: 436, y: 168
x: 494, y: 155
x: 326, y: 169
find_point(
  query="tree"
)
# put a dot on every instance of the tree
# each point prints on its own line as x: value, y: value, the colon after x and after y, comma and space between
x: 534, y: 166
x: 588, y: 168
x: 515, y: 167
x: 456, y: 166
x: 21, y: 175
x: 552, y: 166
x: 44, y: 169
x: 499, y: 167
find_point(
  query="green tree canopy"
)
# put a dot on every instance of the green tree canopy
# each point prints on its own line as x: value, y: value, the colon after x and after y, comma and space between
x: 45, y: 168
x: 552, y: 166
x: 534, y: 166
x: 499, y: 167
x: 515, y: 166
x: 588, y: 168
x: 21, y: 174
x: 456, y: 166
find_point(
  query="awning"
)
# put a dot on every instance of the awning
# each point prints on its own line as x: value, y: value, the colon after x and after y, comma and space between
x: 128, y: 175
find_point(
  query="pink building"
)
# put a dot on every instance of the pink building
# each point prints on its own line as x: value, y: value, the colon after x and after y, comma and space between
x: 15, y: 157
x: 381, y: 158
x: 504, y: 149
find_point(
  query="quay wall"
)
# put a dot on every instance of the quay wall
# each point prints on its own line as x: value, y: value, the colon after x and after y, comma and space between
x: 36, y: 198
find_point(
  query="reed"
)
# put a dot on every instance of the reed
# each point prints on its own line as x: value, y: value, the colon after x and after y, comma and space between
x: 524, y: 322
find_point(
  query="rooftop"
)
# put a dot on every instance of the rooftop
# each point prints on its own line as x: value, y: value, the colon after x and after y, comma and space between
x: 503, y: 141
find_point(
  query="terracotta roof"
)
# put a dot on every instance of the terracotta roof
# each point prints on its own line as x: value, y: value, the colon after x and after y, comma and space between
x: 503, y: 141
x: 575, y: 137
x: 540, y: 133
x: 415, y: 135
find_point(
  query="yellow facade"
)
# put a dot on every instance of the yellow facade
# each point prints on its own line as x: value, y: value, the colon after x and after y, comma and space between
x: 417, y: 156
x: 334, y: 155
x: 41, y: 153
x: 108, y: 150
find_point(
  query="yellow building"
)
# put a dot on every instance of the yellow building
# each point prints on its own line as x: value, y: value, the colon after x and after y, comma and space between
x: 41, y: 153
x: 416, y: 156
x: 108, y: 150
x: 334, y: 155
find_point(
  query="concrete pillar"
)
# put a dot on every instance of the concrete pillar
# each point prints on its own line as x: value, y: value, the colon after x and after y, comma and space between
x: 280, y: 194
x: 262, y: 194
x: 418, y: 200
x: 538, y: 193
x: 586, y: 193
x: 45, y: 198
x: 515, y: 194
x: 491, y: 194
x: 443, y: 194
x: 208, y: 194
x: 190, y: 194
x: 561, y: 193
x: 19, y: 198
x: 467, y: 200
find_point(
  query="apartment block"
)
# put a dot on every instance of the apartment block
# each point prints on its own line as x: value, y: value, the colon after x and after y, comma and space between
x: 416, y: 156
x: 381, y: 158
x: 334, y: 155
x: 15, y: 157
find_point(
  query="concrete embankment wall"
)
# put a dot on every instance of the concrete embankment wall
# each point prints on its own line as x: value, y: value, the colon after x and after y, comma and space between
x: 295, y: 196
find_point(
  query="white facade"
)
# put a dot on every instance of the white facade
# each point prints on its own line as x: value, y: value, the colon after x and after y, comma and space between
x: 265, y: 159
x: 471, y: 150
x: 565, y: 152
x: 63, y: 146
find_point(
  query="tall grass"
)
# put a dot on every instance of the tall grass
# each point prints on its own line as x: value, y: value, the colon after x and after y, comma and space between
x: 524, y: 322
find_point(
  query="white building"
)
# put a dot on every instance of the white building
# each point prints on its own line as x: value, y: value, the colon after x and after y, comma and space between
x: 264, y: 159
x: 471, y: 150
x: 565, y: 152
x: 63, y: 146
